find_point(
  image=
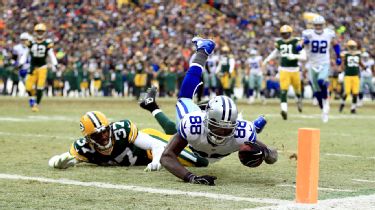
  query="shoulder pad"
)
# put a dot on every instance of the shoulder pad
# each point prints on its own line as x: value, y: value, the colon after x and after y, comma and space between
x: 297, y: 38
x: 191, y: 126
x: 127, y: 126
x: 245, y: 131
x: 79, y: 149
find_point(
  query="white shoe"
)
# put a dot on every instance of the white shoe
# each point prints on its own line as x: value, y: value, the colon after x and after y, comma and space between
x: 315, y: 101
x: 325, y: 117
x: 360, y: 103
x: 251, y: 100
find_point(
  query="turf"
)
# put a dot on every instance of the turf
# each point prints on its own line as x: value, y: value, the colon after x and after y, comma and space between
x: 29, y: 139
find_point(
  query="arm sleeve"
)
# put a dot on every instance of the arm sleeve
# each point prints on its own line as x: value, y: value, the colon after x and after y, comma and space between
x: 146, y: 142
x: 271, y: 56
x: 232, y: 63
x: 52, y: 56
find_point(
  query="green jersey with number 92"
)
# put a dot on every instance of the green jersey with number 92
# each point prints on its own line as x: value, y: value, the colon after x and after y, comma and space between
x: 124, y: 152
x: 39, y: 52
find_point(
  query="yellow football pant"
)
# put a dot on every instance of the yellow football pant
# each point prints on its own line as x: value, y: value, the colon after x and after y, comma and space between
x: 351, y: 84
x: 140, y: 80
x: 186, y: 157
x: 97, y: 84
x: 290, y: 78
x: 36, y: 78
x: 84, y: 85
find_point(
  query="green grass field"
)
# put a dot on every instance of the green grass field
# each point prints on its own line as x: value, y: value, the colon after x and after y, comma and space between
x: 29, y: 139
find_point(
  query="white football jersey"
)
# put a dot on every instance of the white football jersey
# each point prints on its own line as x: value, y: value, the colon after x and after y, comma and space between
x: 193, y: 129
x: 254, y: 64
x: 368, y: 71
x: 20, y: 50
x: 319, y: 46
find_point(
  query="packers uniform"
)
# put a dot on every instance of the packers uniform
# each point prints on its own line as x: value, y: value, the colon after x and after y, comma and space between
x: 124, y: 152
x: 351, y: 68
x: 37, y: 74
x: 288, y: 69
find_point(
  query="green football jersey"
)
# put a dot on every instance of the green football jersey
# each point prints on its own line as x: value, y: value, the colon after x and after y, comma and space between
x: 287, y: 47
x: 39, y: 53
x: 124, y: 153
x: 351, y: 62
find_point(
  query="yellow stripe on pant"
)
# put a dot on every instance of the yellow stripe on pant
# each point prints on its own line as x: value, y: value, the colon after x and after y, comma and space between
x: 186, y: 157
x: 36, y: 79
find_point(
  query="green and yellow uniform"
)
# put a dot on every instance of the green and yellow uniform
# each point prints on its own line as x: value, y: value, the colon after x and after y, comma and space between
x: 351, y: 68
x: 38, y: 64
x: 124, y: 152
x: 288, y: 69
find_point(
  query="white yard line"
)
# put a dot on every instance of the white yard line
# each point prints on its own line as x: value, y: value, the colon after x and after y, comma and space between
x: 319, y: 188
x: 363, y: 180
x: 146, y: 189
x: 35, y: 135
x: 343, y: 155
x: 319, y: 116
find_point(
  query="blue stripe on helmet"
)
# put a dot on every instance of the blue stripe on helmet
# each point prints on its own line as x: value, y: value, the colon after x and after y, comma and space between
x: 223, y: 114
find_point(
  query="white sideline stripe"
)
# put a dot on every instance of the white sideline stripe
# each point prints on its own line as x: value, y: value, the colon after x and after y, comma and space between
x: 319, y: 188
x: 363, y: 180
x: 145, y: 189
x: 363, y: 202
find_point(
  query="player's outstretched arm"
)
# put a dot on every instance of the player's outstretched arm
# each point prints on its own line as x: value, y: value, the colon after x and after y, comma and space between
x: 62, y: 161
x: 170, y: 162
x: 270, y: 154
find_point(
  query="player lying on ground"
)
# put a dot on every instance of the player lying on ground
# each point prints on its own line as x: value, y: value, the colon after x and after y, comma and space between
x: 119, y: 144
x: 213, y: 133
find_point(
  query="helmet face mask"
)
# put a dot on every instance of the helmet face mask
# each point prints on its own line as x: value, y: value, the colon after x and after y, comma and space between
x: 96, y: 130
x: 318, y: 23
x: 40, y: 31
x: 286, y: 35
x: 221, y: 119
x: 40, y: 34
x: 318, y: 28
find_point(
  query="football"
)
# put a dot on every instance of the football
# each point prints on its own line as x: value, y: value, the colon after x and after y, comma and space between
x: 251, y: 155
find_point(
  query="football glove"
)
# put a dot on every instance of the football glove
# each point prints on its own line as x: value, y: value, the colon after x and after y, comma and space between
x: 62, y: 161
x: 153, y: 167
x: 205, y: 179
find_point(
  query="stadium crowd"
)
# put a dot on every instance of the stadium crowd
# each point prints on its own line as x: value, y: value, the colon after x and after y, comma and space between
x: 116, y: 44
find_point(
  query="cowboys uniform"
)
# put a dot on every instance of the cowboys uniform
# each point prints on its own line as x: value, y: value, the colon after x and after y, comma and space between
x: 193, y: 127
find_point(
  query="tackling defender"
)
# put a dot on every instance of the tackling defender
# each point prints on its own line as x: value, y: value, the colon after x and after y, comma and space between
x: 289, y: 70
x: 39, y: 50
x: 119, y: 144
x: 317, y: 43
x: 213, y: 133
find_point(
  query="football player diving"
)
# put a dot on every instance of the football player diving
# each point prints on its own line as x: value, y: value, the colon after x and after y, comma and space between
x: 119, y: 144
x: 213, y: 133
x: 39, y: 50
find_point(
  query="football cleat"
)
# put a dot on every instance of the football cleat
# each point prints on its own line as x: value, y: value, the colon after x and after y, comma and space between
x: 205, y: 44
x: 353, y: 111
x: 35, y: 108
x: 341, y: 107
x: 148, y: 100
x: 299, y: 105
x: 284, y: 114
x: 325, y: 117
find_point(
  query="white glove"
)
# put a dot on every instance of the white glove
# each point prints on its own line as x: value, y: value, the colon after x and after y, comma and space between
x: 153, y: 167
x: 62, y: 161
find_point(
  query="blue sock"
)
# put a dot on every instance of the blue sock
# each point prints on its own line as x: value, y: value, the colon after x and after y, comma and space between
x: 318, y: 96
x: 251, y: 92
x: 190, y: 83
x: 32, y: 102
x: 323, y: 88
